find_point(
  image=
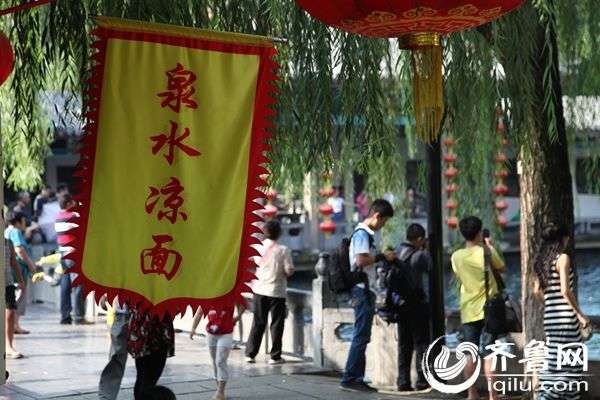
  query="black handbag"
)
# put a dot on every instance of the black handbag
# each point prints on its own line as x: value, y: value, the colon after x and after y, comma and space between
x: 499, y: 322
x: 495, y: 308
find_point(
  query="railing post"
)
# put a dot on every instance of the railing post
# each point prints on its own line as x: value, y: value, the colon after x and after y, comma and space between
x: 297, y: 308
x: 321, y: 298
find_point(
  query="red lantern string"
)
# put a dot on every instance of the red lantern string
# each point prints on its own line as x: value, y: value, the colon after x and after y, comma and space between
x: 500, y: 189
x: 327, y: 226
x: 451, y: 172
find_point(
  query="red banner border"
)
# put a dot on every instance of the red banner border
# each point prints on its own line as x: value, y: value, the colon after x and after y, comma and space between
x: 262, y: 124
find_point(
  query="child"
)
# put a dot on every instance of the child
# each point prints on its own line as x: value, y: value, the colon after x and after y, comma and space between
x: 219, y: 330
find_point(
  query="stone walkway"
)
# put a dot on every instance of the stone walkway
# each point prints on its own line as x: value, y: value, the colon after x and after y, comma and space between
x: 64, y: 363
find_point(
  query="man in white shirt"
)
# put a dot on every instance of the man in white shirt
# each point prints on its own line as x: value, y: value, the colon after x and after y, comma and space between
x: 362, y: 257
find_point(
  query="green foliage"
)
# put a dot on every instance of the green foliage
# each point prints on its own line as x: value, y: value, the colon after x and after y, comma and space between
x: 340, y: 94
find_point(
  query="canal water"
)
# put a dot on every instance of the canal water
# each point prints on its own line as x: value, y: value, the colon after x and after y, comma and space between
x: 587, y: 264
x: 588, y: 270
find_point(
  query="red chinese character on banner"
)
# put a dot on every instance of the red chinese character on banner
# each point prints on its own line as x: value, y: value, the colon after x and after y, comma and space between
x: 171, y: 204
x: 173, y: 141
x: 160, y: 260
x: 179, y: 89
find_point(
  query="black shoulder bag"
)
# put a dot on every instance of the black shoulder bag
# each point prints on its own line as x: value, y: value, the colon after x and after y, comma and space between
x: 494, y: 309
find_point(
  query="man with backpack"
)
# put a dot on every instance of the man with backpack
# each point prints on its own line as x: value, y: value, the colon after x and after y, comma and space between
x: 361, y: 257
x: 413, y: 324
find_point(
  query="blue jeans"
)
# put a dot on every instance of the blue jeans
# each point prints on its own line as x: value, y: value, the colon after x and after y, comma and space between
x: 363, y: 303
x: 71, y: 298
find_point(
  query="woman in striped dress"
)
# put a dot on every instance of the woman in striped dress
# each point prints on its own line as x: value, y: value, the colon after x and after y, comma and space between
x: 563, y: 318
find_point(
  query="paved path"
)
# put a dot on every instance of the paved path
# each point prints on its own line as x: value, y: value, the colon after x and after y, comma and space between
x: 64, y: 363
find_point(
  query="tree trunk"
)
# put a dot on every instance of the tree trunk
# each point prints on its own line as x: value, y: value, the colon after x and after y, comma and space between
x: 2, y: 258
x: 544, y: 177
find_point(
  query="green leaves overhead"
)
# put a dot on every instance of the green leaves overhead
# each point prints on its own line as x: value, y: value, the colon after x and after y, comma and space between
x: 340, y: 96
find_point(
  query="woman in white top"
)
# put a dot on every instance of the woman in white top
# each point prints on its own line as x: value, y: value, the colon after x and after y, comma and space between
x: 274, y: 267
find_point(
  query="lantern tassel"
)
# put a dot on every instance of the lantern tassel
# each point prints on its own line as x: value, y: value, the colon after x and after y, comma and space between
x: 428, y: 93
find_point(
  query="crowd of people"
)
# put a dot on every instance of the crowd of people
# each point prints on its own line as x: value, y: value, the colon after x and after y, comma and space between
x: 150, y: 340
x: 46, y: 222
x: 476, y: 265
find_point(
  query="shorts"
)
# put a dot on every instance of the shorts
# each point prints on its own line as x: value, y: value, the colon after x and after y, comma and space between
x: 10, y: 297
x: 475, y: 333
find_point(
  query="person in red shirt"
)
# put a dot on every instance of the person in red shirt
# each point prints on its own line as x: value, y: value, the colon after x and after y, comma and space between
x: 71, y: 298
x: 219, y: 329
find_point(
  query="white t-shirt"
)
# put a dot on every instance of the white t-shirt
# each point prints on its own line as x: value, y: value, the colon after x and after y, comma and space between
x: 361, y: 244
x: 337, y: 203
x: 274, y: 267
x: 47, y: 219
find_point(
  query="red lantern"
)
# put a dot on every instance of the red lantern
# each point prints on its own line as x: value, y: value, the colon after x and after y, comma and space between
x: 451, y: 173
x: 450, y: 157
x: 500, y: 127
x: 452, y: 222
x: 451, y: 204
x: 269, y: 211
x: 501, y: 174
x: 325, y: 209
x: 388, y: 19
x: 501, y: 205
x: 418, y: 24
x: 502, y: 221
x: 451, y: 188
x: 501, y: 189
x: 328, y: 192
x: 7, y: 58
x: 504, y: 142
x: 449, y: 142
x: 328, y: 227
x: 501, y: 158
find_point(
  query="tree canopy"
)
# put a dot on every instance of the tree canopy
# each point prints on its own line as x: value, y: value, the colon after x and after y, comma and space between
x: 340, y: 95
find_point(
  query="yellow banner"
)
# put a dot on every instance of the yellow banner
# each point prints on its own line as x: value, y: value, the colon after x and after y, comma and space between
x: 176, y: 141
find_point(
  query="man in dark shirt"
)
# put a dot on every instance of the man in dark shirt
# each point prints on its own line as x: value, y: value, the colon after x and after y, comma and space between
x: 413, y: 329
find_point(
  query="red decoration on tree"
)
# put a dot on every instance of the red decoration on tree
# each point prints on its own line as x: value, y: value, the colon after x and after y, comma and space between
x: 450, y: 173
x: 452, y: 222
x: 501, y: 158
x: 327, y: 192
x: 500, y: 189
x: 449, y: 142
x: 326, y: 210
x: 501, y: 172
x: 451, y: 188
x: 450, y: 157
x: 501, y: 205
x: 327, y: 226
x: 502, y: 221
x: 451, y: 204
x: 390, y: 19
x: 7, y: 58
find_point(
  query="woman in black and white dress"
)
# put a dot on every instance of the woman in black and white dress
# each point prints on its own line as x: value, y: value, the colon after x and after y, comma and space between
x: 563, y: 318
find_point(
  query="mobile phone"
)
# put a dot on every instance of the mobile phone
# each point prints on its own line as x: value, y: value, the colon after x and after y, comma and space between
x: 486, y: 233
